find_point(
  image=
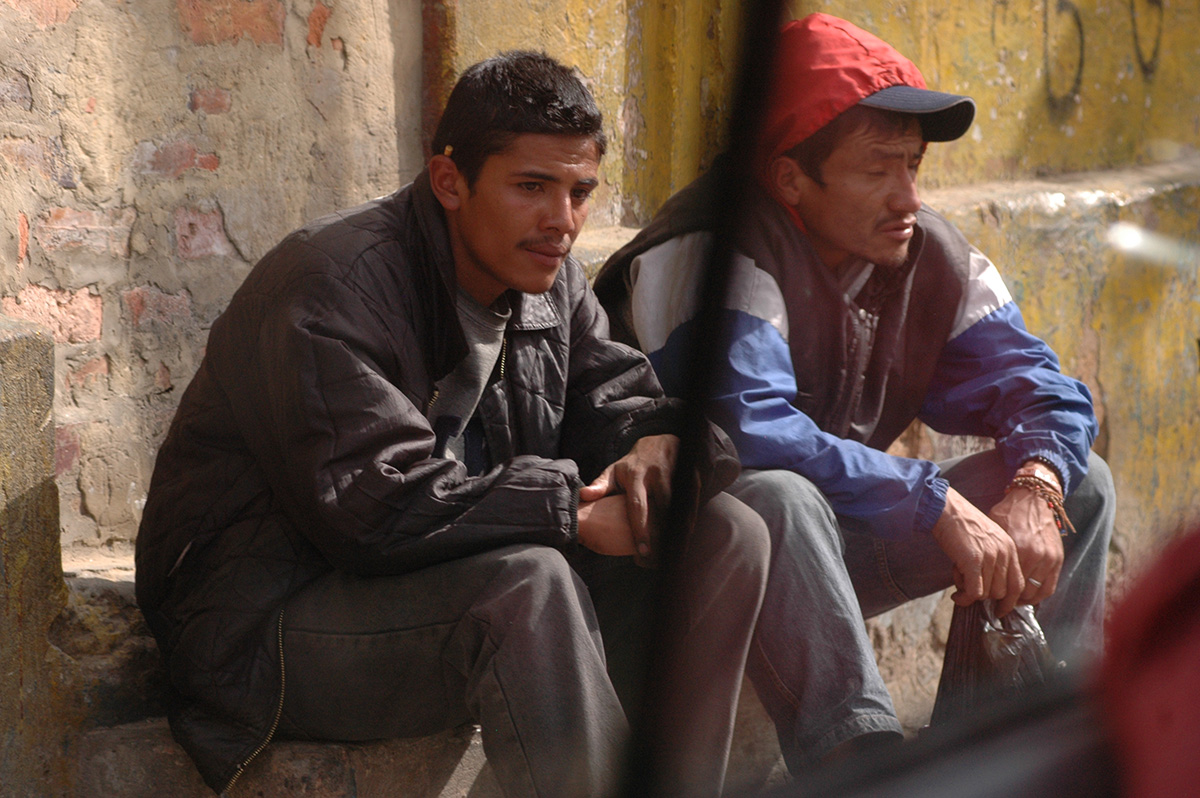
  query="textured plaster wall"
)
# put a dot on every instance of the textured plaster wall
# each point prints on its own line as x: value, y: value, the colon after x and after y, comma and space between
x: 150, y: 153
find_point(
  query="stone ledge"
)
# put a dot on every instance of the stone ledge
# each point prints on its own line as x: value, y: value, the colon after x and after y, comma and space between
x: 141, y: 760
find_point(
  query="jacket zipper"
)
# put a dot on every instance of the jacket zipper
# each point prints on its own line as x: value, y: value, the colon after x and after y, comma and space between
x: 432, y: 401
x: 503, y: 354
x: 274, y: 723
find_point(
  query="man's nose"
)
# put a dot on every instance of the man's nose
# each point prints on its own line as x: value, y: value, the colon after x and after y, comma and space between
x: 559, y: 214
x: 904, y: 197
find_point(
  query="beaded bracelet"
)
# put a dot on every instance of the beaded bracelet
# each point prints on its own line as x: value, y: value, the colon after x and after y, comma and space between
x: 1038, y: 468
x: 1048, y: 492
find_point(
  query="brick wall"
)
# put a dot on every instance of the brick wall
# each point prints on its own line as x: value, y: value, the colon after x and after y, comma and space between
x: 150, y: 153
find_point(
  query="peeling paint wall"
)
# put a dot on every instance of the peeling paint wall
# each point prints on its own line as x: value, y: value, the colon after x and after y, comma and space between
x: 150, y: 153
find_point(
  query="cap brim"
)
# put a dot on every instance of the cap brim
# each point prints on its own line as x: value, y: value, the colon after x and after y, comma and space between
x: 943, y: 117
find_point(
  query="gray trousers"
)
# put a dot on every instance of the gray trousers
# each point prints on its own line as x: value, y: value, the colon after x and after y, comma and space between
x: 539, y: 651
x: 811, y: 662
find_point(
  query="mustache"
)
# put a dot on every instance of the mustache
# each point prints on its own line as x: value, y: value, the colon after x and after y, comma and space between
x: 561, y: 244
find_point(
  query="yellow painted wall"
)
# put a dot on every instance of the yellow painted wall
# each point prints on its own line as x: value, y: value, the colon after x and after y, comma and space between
x: 660, y: 72
x: 588, y: 34
x: 1061, y: 85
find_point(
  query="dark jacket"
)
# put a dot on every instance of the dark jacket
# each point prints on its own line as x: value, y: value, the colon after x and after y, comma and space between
x: 302, y: 446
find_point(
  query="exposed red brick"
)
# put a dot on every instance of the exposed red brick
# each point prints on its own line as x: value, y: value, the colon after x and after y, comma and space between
x: 100, y: 231
x: 200, y: 234
x: 147, y: 304
x: 45, y: 156
x: 45, y: 13
x: 316, y: 23
x: 210, y: 100
x: 337, y: 44
x: 171, y: 159
x: 90, y: 106
x: 162, y: 377
x: 216, y: 21
x: 71, y: 317
x: 92, y: 370
x: 66, y: 448
x: 22, y: 237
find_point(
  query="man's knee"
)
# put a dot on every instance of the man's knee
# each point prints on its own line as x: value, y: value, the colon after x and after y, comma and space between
x: 795, y: 511
x: 1092, y: 504
x: 529, y: 583
x: 1097, y: 487
x: 730, y: 532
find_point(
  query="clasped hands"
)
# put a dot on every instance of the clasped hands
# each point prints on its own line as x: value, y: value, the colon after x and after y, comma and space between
x: 1013, y: 554
x: 620, y: 511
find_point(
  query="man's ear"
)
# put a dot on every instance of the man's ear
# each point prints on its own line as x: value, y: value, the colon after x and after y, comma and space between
x: 788, y: 179
x: 447, y: 182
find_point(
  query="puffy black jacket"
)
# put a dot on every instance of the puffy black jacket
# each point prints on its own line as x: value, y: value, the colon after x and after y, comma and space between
x: 302, y: 446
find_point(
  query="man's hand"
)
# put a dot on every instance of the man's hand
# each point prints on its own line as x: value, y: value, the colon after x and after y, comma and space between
x: 604, y: 527
x: 984, y: 556
x: 644, y: 476
x: 1028, y: 520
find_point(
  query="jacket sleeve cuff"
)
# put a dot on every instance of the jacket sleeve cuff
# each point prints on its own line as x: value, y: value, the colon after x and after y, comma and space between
x: 931, y: 504
x: 1059, y: 464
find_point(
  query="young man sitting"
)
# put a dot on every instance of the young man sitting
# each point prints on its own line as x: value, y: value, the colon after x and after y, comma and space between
x: 408, y: 484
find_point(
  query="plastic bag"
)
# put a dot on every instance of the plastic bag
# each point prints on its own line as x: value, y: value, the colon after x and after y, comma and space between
x: 990, y: 658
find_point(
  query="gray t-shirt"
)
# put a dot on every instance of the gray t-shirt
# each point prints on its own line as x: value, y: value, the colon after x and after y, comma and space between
x: 458, y: 393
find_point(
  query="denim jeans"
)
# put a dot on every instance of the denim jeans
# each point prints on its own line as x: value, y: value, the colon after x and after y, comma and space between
x: 539, y: 649
x: 811, y: 661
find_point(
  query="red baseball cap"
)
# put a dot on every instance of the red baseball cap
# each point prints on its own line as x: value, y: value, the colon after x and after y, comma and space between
x: 825, y: 65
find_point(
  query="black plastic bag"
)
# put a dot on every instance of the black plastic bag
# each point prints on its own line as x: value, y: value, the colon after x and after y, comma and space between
x: 990, y: 659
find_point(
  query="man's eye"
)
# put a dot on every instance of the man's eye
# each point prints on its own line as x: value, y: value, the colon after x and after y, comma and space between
x: 530, y: 186
x: 581, y: 194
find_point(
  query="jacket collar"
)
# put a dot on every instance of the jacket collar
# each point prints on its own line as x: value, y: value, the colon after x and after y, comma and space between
x: 536, y: 311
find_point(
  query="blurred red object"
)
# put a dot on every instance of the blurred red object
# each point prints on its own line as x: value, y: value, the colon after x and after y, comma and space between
x: 1150, y: 679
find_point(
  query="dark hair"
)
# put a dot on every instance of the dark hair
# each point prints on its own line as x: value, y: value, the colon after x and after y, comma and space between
x: 812, y: 153
x: 513, y: 93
